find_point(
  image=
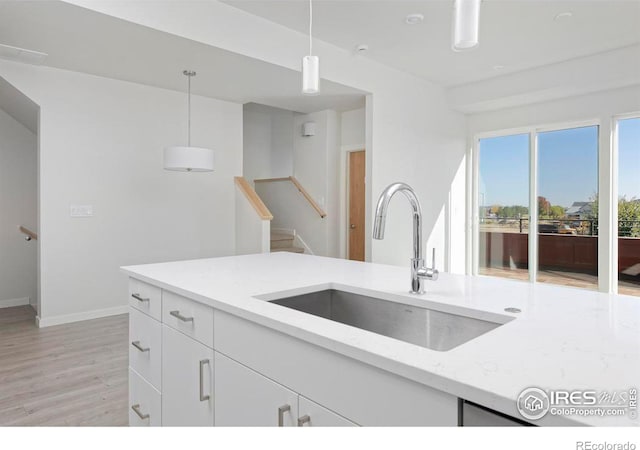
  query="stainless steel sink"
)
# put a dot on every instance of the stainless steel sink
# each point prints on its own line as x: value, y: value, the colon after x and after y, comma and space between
x: 428, y: 328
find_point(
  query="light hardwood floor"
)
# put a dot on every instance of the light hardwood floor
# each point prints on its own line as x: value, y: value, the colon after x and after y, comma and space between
x: 74, y: 374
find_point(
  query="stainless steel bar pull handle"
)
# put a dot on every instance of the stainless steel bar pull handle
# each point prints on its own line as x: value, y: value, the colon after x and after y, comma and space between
x: 137, y: 345
x: 136, y: 409
x: 179, y: 316
x: 304, y: 419
x: 281, y: 410
x: 139, y: 298
x: 203, y: 398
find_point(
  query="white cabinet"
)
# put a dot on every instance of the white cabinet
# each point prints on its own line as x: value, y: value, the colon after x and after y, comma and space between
x: 313, y: 415
x: 146, y: 298
x: 145, y: 346
x: 191, y: 365
x: 187, y: 380
x: 246, y: 398
x: 144, y: 402
x: 191, y: 318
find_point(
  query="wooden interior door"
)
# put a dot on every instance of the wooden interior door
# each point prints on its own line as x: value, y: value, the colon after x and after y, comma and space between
x: 356, y: 205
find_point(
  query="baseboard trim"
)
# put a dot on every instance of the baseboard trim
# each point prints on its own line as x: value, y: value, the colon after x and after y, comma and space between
x: 14, y: 302
x: 42, y: 322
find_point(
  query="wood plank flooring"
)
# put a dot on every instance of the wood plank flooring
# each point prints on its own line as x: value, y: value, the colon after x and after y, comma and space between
x: 66, y: 375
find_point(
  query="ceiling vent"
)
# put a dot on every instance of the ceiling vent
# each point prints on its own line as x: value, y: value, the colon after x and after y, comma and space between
x: 22, y: 55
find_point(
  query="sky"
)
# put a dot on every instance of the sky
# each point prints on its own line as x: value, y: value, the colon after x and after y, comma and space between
x: 567, y: 166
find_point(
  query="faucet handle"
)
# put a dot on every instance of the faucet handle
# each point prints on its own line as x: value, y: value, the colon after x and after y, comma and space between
x: 433, y: 259
x: 432, y: 271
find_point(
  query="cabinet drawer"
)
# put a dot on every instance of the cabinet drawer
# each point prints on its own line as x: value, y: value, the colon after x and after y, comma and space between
x: 145, y: 347
x: 146, y: 298
x: 191, y: 318
x: 144, y: 402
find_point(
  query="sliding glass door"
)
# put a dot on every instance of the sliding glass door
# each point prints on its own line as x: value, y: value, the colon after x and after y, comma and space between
x: 558, y: 170
x: 628, y: 139
x: 567, y: 186
x: 503, y: 206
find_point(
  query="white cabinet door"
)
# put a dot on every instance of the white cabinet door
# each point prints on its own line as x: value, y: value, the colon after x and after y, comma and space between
x: 187, y: 381
x: 313, y: 415
x: 246, y: 398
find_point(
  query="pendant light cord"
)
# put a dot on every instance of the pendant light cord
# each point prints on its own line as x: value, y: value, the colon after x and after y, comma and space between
x: 189, y: 113
x: 310, y: 26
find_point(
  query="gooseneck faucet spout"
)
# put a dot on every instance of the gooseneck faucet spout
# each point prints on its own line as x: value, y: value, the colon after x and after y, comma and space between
x: 418, y: 270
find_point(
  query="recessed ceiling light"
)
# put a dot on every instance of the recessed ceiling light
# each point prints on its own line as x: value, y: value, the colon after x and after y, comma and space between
x: 563, y: 16
x: 414, y: 19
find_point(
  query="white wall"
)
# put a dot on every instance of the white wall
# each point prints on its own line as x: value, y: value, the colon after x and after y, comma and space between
x: 253, y: 235
x: 101, y: 143
x: 412, y: 134
x: 353, y: 132
x: 18, y: 206
x: 315, y: 165
x: 268, y: 142
x: 596, y: 106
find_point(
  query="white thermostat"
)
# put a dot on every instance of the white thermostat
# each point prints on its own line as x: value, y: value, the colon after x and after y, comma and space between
x: 309, y: 129
x: 81, y: 210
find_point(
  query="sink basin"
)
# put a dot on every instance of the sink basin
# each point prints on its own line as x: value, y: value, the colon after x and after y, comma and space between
x: 428, y: 328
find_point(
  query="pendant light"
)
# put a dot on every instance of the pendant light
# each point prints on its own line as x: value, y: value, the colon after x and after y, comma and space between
x: 310, y: 64
x: 188, y: 159
x: 466, y: 22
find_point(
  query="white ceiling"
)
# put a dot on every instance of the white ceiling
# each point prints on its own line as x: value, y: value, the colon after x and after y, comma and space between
x: 82, y: 40
x: 514, y: 34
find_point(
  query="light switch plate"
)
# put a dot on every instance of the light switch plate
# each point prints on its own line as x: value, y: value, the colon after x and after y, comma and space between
x: 81, y: 210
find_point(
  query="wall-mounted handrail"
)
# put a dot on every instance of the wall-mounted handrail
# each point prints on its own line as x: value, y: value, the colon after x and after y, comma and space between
x: 253, y: 198
x: 300, y: 188
x: 28, y: 233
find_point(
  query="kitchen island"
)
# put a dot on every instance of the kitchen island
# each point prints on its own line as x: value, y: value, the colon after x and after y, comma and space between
x: 209, y: 347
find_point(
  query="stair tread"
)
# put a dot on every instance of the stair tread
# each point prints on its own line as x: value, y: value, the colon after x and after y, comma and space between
x: 288, y: 249
x: 281, y: 236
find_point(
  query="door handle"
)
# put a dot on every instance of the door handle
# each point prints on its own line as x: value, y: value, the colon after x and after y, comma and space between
x: 353, y: 226
x: 203, y: 398
x: 304, y: 419
x: 281, y: 410
x: 139, y: 298
x: 136, y: 409
x: 137, y: 345
x: 179, y: 316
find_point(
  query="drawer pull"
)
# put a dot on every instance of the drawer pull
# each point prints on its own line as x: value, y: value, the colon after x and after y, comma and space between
x: 203, y: 398
x: 304, y: 419
x: 137, y: 345
x: 139, y: 298
x: 281, y: 410
x: 136, y: 409
x: 179, y: 316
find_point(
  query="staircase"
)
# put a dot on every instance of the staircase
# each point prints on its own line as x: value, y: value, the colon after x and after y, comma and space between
x: 283, y: 242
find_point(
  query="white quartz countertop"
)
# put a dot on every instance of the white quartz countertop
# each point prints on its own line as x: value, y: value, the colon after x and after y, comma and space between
x: 564, y: 338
